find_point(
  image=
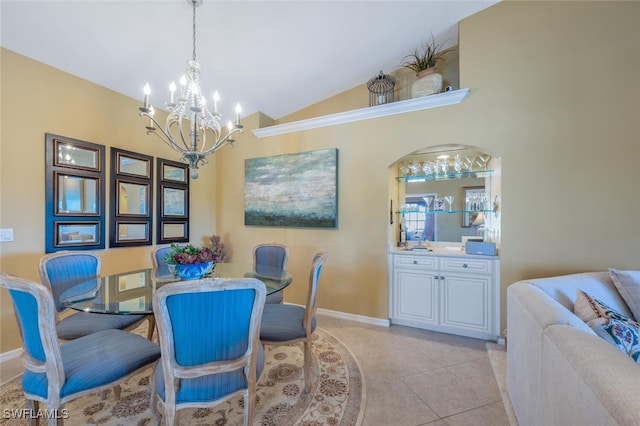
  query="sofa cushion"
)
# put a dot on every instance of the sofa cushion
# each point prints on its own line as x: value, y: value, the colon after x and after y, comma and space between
x: 589, y: 308
x: 628, y: 285
x: 620, y: 334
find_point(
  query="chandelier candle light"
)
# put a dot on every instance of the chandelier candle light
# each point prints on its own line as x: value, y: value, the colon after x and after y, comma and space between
x: 191, y: 106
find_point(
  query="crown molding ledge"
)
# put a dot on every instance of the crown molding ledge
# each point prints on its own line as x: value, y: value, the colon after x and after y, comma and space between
x: 409, y: 105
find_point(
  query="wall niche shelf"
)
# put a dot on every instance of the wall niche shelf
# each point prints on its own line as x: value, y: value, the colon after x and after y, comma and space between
x: 447, y: 176
x: 399, y: 107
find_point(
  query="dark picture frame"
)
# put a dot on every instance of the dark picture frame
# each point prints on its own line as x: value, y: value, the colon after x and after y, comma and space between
x: 172, y: 202
x: 74, y: 194
x: 69, y: 235
x: 131, y: 195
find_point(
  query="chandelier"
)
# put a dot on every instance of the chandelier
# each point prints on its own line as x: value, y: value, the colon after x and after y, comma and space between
x: 189, y: 121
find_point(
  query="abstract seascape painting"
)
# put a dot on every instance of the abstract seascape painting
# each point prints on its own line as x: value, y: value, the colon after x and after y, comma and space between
x: 297, y: 190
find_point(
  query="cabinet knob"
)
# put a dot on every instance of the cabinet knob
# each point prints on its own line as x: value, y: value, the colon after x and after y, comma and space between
x: 464, y: 265
x: 442, y: 277
x: 415, y: 262
x: 435, y: 277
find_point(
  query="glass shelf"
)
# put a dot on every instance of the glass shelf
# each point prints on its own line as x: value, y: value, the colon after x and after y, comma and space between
x: 444, y: 211
x: 447, y: 176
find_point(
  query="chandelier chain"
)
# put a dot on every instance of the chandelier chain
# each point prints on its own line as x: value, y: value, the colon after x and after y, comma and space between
x: 194, y: 29
x: 190, y: 120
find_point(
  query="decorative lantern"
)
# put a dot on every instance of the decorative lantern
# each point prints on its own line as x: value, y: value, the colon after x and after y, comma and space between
x: 381, y: 89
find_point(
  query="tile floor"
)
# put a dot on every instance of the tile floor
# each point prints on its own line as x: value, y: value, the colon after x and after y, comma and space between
x: 413, y: 377
x: 419, y: 377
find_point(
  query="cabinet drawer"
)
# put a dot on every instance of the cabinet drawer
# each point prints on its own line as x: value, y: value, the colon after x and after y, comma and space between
x: 478, y: 266
x: 422, y: 262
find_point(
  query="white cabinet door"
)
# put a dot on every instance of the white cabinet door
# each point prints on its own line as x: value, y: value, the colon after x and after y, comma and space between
x: 415, y: 297
x: 452, y: 294
x: 466, y: 302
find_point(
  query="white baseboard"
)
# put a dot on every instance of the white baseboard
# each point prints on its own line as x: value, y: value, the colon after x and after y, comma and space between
x: 354, y: 317
x: 8, y: 356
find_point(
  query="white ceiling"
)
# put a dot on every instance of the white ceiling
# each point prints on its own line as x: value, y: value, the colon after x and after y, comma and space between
x: 271, y: 56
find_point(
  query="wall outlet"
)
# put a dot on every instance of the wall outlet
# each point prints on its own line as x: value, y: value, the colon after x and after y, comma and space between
x: 6, y: 234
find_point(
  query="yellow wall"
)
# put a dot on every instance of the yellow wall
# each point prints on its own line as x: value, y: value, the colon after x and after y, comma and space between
x: 37, y: 99
x: 553, y: 92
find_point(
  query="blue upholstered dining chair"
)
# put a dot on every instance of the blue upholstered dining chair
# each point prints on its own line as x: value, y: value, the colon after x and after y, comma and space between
x: 62, y: 270
x: 54, y: 373
x: 285, y: 323
x: 158, y: 254
x: 157, y: 260
x: 209, y: 339
x: 274, y: 255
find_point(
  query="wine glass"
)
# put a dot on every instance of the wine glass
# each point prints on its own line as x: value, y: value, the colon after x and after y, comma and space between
x: 449, y: 199
x: 427, y: 201
x: 482, y: 161
x: 468, y: 162
x: 415, y: 168
x: 457, y: 163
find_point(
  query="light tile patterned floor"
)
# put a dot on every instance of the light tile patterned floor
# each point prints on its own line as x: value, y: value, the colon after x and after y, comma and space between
x: 414, y: 377
x: 419, y: 377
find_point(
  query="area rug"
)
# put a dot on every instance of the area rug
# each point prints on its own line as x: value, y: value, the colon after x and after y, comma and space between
x: 498, y: 357
x: 337, y: 396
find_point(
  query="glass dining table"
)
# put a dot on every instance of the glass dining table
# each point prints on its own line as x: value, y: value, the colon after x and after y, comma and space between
x: 132, y: 292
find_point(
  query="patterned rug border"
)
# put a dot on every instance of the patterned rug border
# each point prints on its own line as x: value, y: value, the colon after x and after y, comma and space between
x: 363, y: 385
x: 310, y: 409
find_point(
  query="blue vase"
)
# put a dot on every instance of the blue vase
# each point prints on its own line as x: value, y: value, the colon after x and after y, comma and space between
x: 193, y: 271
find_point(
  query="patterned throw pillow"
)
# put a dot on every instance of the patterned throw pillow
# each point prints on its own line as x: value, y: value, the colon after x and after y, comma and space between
x: 588, y: 308
x: 620, y: 334
x: 616, y: 328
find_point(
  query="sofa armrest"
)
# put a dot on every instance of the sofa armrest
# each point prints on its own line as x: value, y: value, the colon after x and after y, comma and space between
x: 530, y: 311
x: 587, y: 381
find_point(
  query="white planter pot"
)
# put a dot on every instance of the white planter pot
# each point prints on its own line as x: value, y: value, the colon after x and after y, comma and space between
x: 427, y: 85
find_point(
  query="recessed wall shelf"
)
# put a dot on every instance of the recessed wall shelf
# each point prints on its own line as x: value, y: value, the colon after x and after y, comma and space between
x: 409, y: 105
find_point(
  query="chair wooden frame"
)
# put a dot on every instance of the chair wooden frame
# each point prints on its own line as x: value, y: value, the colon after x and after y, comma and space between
x: 173, y: 373
x: 44, y: 276
x: 53, y: 365
x: 309, y: 315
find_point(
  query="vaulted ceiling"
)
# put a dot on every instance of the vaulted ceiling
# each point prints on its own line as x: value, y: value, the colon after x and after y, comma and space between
x: 271, y: 56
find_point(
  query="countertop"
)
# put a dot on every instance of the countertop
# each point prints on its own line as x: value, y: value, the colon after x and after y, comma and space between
x: 440, y: 250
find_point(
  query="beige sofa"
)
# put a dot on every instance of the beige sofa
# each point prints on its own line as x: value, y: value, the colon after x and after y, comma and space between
x: 559, y: 372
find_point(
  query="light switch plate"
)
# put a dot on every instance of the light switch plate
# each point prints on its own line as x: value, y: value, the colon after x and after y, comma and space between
x: 6, y: 235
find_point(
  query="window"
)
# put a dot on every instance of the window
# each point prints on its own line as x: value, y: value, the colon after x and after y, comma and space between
x: 418, y: 219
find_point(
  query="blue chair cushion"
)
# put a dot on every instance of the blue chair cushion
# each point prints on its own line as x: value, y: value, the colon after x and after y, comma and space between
x: 96, y: 360
x: 277, y: 297
x: 84, y: 323
x: 282, y: 322
x: 208, y: 388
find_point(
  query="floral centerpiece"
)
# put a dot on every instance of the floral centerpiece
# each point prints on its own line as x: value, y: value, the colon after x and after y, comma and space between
x: 218, y: 248
x: 191, y: 262
x: 188, y: 255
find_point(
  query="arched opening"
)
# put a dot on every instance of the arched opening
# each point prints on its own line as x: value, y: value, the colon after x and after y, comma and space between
x: 445, y: 195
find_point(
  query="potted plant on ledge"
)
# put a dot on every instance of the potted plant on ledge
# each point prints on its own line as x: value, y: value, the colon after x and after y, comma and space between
x: 424, y: 62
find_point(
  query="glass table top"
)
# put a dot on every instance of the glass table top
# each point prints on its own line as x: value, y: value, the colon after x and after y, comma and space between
x: 132, y: 292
